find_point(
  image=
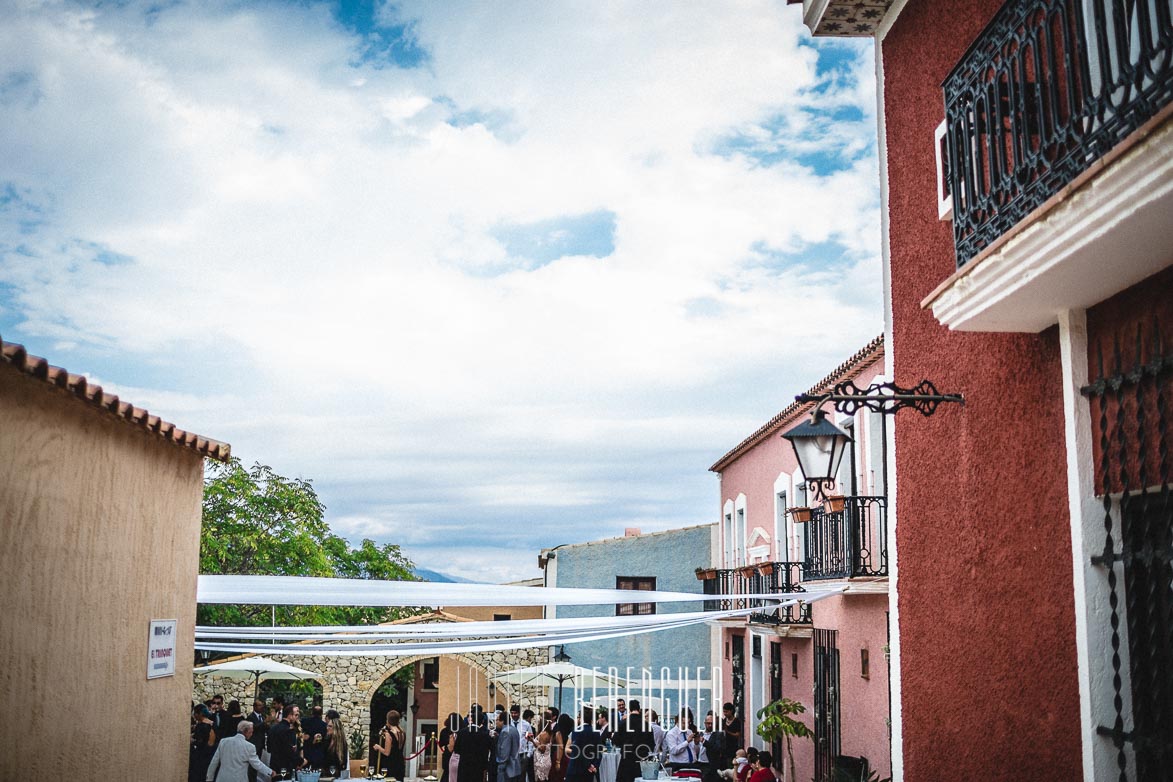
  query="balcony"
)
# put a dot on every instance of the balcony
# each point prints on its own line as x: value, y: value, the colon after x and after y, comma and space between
x: 762, y: 578
x: 1058, y: 158
x: 850, y: 543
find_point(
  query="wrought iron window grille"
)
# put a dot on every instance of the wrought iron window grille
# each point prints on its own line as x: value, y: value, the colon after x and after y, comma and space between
x: 1133, y: 429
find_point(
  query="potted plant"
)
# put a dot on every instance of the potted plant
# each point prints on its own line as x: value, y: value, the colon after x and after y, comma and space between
x: 776, y: 723
x: 835, y: 503
x: 765, y: 568
x: 706, y: 573
x: 358, y: 754
x: 800, y: 515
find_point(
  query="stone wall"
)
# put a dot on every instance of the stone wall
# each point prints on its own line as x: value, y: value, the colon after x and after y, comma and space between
x: 349, y: 683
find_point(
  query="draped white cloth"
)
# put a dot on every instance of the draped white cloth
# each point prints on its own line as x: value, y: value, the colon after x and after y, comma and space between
x: 306, y: 590
x: 438, y: 638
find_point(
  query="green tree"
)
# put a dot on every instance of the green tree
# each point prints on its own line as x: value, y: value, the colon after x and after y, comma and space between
x: 256, y: 522
x: 775, y: 723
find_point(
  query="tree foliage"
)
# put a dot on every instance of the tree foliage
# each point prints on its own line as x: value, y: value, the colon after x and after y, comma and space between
x: 256, y: 522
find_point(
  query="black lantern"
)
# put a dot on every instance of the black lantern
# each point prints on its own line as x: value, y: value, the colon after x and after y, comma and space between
x: 819, y: 446
x: 492, y: 689
x: 562, y: 656
x: 415, y: 708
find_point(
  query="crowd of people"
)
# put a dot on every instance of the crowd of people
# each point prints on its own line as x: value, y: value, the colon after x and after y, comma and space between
x: 512, y: 745
x: 227, y: 745
x: 520, y: 746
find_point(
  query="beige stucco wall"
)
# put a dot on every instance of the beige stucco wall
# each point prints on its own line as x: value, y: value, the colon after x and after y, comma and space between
x: 99, y: 534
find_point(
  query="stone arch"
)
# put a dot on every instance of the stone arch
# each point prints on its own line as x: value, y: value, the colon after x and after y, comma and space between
x: 349, y: 683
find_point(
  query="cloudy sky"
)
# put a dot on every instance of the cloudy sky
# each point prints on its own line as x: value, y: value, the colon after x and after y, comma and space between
x: 495, y: 276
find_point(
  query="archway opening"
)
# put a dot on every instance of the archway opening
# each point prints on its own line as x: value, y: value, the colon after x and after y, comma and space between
x: 392, y: 694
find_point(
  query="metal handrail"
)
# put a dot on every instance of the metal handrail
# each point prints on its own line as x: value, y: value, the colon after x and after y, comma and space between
x: 1046, y: 90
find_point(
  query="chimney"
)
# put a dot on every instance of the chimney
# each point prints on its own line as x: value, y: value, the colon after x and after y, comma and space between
x: 631, y: 532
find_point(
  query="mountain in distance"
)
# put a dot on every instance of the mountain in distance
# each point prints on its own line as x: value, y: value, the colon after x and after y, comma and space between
x: 439, y: 578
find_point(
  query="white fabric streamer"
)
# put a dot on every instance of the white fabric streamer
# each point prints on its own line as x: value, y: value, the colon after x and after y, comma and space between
x: 516, y: 627
x: 306, y: 591
x: 436, y: 648
x: 551, y: 632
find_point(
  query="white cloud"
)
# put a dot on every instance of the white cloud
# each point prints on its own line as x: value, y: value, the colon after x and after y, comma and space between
x: 302, y: 236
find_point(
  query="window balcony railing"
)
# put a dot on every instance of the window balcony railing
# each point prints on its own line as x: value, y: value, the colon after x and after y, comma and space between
x: 763, y: 578
x: 849, y: 543
x: 1046, y: 91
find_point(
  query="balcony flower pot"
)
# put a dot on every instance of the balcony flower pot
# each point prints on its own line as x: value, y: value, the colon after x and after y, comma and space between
x: 706, y: 574
x: 800, y: 515
x: 765, y: 568
x: 835, y: 503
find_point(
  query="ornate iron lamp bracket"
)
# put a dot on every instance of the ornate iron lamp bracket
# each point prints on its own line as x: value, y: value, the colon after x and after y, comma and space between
x: 885, y: 398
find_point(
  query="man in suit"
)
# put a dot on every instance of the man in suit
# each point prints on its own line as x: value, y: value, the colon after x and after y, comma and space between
x: 508, y: 747
x: 282, y: 740
x: 257, y: 718
x: 235, y: 756
x: 475, y: 748
x: 585, y: 750
x: 314, y: 748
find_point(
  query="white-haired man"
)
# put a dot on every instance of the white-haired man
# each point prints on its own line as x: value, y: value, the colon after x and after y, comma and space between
x: 234, y: 756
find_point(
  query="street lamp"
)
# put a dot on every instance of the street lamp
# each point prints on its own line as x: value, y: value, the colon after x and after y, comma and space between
x: 561, y: 657
x: 819, y: 446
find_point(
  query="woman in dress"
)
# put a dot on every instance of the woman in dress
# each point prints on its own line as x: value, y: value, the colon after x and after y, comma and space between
x: 762, y: 770
x: 560, y: 734
x: 337, y: 752
x: 448, y: 743
x: 542, y: 751
x: 203, y: 744
x: 390, y: 747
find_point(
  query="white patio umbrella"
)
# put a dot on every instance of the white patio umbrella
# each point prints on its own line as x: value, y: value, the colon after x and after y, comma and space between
x: 256, y: 668
x: 561, y: 672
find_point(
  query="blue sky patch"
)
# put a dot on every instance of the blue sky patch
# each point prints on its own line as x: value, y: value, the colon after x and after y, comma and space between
x: 17, y: 208
x: 542, y: 242
x: 387, y: 39
x: 827, y: 256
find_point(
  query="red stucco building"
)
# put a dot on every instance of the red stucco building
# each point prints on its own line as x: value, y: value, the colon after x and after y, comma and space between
x: 1027, y: 177
x: 831, y: 657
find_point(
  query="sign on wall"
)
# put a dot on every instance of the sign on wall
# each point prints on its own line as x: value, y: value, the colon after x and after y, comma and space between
x: 161, y: 648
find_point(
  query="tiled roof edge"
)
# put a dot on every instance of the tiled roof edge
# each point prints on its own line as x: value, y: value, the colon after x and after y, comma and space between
x: 862, y: 357
x: 36, y: 367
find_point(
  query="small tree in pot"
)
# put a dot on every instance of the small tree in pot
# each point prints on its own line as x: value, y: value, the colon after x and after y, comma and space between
x: 358, y: 753
x: 775, y: 723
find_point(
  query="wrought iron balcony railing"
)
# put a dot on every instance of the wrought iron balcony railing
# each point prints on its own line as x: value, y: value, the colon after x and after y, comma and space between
x: 1047, y: 89
x: 848, y: 543
x: 763, y: 578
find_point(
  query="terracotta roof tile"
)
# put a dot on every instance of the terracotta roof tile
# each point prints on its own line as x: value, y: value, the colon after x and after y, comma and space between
x: 16, y: 356
x: 862, y: 357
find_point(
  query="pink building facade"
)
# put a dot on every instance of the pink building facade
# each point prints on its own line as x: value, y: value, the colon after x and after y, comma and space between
x: 832, y: 655
x: 1026, y: 160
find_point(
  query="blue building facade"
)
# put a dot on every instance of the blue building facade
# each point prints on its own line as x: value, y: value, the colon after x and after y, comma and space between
x: 662, y: 561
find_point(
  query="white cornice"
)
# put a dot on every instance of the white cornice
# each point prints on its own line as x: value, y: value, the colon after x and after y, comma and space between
x: 1108, y: 234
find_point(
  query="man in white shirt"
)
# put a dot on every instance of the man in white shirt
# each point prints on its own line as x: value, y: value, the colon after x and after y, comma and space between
x: 525, y: 734
x: 658, y: 734
x: 681, y: 743
x: 234, y: 756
